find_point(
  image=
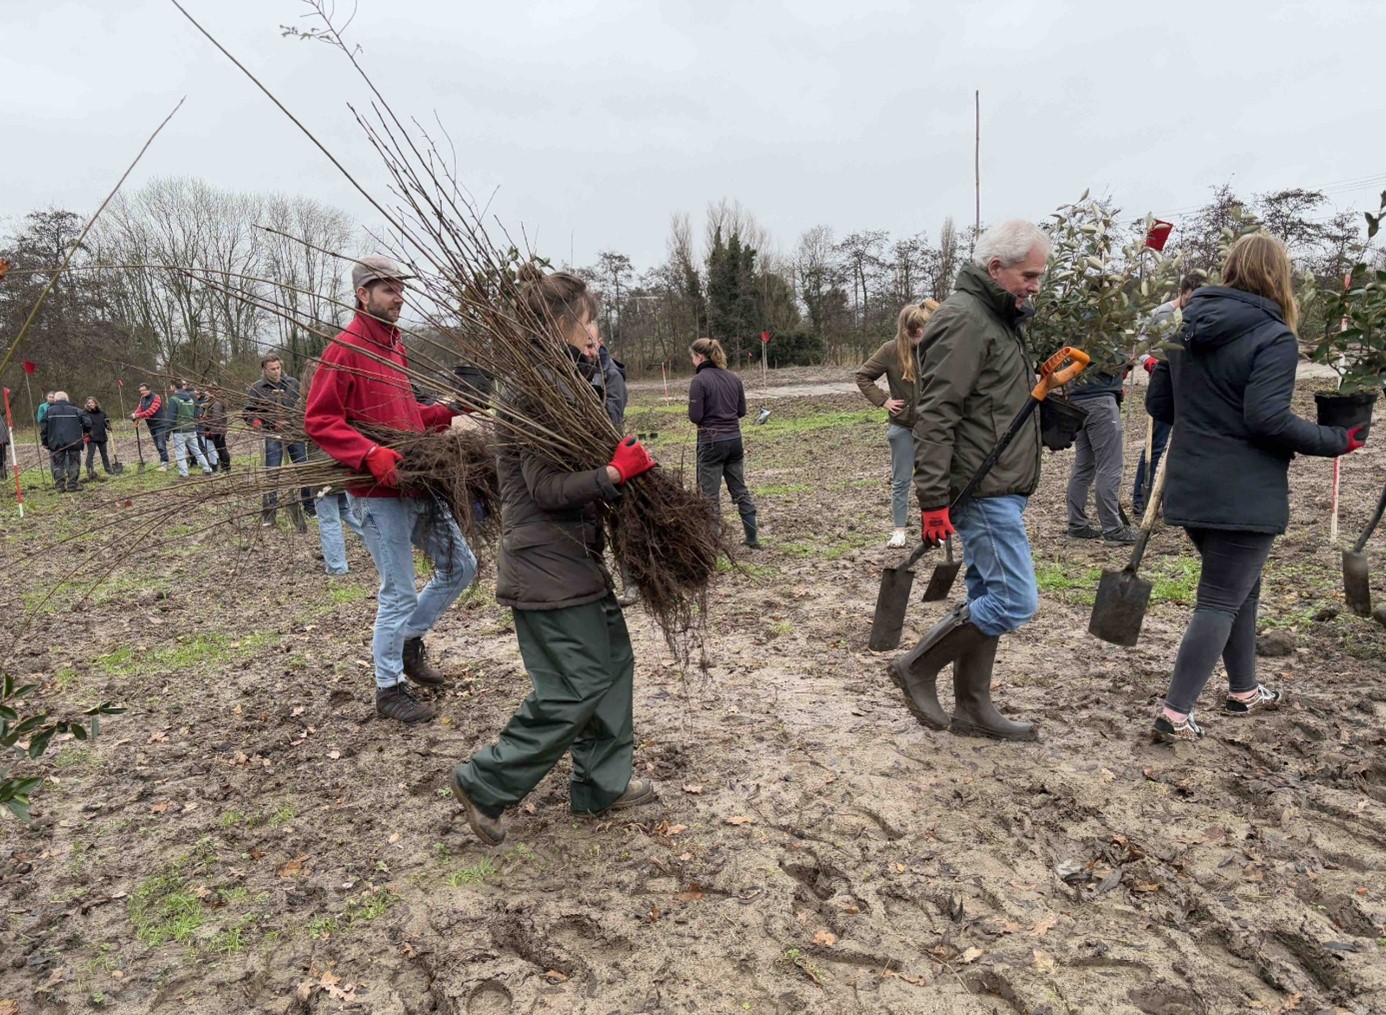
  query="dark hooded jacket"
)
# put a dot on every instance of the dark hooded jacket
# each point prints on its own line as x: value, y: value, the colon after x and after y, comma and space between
x: 551, y: 526
x: 63, y: 427
x: 1227, y: 389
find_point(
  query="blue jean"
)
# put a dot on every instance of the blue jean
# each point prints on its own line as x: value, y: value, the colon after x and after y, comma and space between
x: 333, y: 509
x: 901, y: 440
x: 391, y: 528
x: 1158, y: 441
x: 1001, y: 590
x: 185, y: 445
x: 274, y: 457
x: 159, y: 433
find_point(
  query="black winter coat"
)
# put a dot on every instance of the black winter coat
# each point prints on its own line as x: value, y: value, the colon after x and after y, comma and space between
x: 98, y: 426
x: 716, y: 403
x: 1227, y: 391
x: 63, y: 426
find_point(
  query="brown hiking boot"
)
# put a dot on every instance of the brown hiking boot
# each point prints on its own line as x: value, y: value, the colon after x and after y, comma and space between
x: 638, y: 793
x: 397, y: 703
x: 489, y: 830
x: 417, y: 667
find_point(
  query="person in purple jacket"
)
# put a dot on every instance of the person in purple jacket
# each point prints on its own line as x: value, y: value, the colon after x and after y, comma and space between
x: 716, y: 403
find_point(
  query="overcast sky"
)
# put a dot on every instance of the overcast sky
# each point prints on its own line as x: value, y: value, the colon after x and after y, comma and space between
x: 597, y: 119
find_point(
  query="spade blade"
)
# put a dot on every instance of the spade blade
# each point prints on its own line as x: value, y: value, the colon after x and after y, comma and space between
x: 1119, y: 609
x: 1357, y: 587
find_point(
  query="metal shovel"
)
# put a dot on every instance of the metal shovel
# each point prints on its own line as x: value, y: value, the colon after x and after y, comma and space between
x: 892, y: 602
x: 941, y: 581
x: 1122, y: 598
x: 1356, y: 582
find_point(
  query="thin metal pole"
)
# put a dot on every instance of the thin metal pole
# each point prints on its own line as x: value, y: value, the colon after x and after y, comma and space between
x: 977, y: 166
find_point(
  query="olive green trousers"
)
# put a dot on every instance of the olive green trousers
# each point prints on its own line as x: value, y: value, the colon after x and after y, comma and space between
x: 582, y: 669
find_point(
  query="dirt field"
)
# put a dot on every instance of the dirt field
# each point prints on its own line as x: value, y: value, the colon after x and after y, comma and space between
x: 249, y: 838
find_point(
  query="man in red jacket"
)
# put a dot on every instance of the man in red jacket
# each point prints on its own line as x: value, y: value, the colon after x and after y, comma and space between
x: 362, y: 381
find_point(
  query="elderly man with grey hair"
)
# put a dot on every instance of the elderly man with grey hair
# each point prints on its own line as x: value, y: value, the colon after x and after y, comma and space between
x: 976, y: 376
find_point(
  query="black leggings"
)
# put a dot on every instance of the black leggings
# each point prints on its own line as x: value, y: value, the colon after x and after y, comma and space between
x: 92, y: 449
x: 1224, y: 619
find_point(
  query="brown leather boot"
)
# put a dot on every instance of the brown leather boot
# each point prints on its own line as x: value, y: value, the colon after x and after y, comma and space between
x: 973, y: 713
x: 417, y: 667
x: 916, y: 672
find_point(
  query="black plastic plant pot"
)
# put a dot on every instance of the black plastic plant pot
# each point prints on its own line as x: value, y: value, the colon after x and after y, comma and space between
x: 1060, y: 421
x: 1346, y: 411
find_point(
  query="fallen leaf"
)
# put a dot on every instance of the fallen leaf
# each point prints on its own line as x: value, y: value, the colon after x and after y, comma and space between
x: 825, y: 938
x: 157, y: 737
x: 394, y: 837
x: 160, y: 808
x: 298, y: 710
x: 292, y: 869
x: 191, y: 806
x: 899, y: 868
x: 305, y: 990
x: 1145, y: 886
x: 1044, y: 962
x: 693, y: 893
x: 1044, y: 925
x: 918, y: 981
x: 334, y: 755
x: 9, y: 1007
x: 693, y: 787
x: 740, y: 819
x: 329, y: 979
x: 970, y: 956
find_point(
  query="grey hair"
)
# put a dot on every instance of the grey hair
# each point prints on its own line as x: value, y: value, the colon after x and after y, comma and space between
x: 60, y: 396
x: 1010, y: 242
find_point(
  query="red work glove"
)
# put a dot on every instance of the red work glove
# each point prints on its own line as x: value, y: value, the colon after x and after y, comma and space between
x: 1149, y: 364
x: 384, y: 465
x: 1356, y: 438
x: 631, y: 459
x: 936, y: 526
x: 255, y: 424
x: 86, y: 439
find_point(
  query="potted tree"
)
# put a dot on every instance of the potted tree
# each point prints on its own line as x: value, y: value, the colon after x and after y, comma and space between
x: 1098, y: 294
x: 1357, y: 351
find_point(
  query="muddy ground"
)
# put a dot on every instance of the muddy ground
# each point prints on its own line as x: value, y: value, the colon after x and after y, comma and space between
x: 247, y: 837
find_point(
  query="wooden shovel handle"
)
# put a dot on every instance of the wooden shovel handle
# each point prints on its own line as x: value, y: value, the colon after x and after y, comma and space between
x: 1152, y: 508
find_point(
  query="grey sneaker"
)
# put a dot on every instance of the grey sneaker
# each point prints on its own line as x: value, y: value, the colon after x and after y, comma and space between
x: 1123, y: 536
x: 489, y: 829
x: 1266, y: 700
x: 397, y: 703
x: 1186, y: 732
x: 1085, y: 532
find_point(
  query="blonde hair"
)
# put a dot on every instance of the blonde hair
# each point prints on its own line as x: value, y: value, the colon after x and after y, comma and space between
x: 912, y: 319
x: 711, y: 350
x: 1258, y: 264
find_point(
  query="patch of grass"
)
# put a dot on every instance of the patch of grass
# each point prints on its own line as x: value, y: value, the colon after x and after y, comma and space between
x: 796, y: 959
x: 231, y: 818
x: 75, y: 757
x: 343, y: 594
x: 781, y: 489
x: 1176, y: 584
x: 230, y: 939
x: 473, y: 875
x: 371, y: 904
x: 68, y: 679
x: 323, y: 926
x: 206, y: 651
x: 781, y: 628
x: 232, y: 896
x: 163, y: 909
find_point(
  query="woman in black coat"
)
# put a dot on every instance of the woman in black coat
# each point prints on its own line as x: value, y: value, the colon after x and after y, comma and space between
x: 1227, y: 391
x: 97, y: 435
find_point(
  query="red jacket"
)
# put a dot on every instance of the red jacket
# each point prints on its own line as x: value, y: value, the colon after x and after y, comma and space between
x: 362, y: 379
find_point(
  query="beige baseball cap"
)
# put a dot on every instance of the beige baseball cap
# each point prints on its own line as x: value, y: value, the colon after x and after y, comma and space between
x: 374, y: 268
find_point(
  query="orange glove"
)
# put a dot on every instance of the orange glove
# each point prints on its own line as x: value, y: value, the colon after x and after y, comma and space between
x: 631, y: 459
x: 936, y: 527
x: 384, y: 465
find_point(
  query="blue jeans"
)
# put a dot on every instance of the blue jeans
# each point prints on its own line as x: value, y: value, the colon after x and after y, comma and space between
x: 333, y: 509
x: 185, y: 445
x: 160, y: 435
x: 901, y: 440
x: 1158, y: 441
x: 391, y: 528
x: 274, y: 457
x: 1001, y: 590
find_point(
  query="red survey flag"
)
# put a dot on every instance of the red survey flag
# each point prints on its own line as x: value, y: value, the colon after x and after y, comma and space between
x: 29, y: 367
x: 1158, y: 235
x: 765, y: 338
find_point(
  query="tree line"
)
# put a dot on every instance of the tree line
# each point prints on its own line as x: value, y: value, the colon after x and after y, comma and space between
x: 155, y: 286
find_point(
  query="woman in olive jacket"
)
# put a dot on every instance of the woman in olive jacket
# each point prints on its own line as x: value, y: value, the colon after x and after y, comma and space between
x: 1227, y: 389
x: 572, y: 633
x: 898, y: 360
